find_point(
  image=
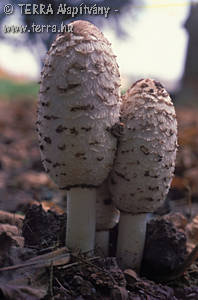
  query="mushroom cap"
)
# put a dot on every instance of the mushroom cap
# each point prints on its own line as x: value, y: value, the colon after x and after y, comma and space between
x: 79, y: 100
x: 146, y: 154
x: 107, y: 215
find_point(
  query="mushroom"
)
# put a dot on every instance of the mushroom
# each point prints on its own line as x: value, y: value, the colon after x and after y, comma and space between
x: 79, y: 101
x: 144, y: 164
x: 107, y: 216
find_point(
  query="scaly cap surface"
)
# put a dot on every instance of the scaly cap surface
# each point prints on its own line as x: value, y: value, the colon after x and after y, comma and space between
x: 79, y: 100
x: 145, y: 160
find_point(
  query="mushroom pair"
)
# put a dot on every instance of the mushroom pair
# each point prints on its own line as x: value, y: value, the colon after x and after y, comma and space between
x: 79, y: 101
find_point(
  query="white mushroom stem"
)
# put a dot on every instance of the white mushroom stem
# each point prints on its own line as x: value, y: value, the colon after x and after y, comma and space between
x: 131, y: 239
x: 81, y: 219
x: 102, y: 242
x: 144, y: 164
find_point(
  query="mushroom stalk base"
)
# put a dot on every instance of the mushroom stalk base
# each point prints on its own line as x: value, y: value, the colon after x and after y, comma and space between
x: 81, y: 219
x: 102, y: 242
x: 131, y: 239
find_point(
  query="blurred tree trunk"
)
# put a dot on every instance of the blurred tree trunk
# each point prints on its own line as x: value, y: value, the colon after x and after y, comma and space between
x: 188, y: 93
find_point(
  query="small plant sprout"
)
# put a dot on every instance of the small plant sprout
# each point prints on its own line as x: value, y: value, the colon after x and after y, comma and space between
x: 79, y: 100
x: 144, y: 164
x: 107, y: 216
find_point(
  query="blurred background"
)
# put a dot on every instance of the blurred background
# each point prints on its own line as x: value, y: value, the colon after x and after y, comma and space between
x: 151, y: 38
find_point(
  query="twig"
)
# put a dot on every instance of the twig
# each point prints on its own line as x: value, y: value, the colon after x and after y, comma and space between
x: 63, y: 288
x: 44, y: 260
x: 92, y: 265
x: 51, y: 281
x: 77, y: 263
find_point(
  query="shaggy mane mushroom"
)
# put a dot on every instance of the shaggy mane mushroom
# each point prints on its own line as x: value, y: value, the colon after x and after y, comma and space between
x: 144, y: 164
x: 79, y: 100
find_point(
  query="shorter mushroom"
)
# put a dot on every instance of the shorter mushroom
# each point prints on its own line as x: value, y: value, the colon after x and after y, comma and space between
x: 107, y: 216
x: 144, y: 164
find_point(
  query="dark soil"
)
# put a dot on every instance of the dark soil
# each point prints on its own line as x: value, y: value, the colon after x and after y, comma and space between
x: 102, y: 278
x: 43, y: 229
x: 165, y: 249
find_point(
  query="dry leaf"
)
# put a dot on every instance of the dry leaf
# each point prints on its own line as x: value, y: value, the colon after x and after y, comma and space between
x: 11, y: 232
x: 12, y: 219
x: 23, y: 292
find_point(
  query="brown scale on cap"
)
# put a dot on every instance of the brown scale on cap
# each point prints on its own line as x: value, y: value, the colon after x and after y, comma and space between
x: 84, y: 28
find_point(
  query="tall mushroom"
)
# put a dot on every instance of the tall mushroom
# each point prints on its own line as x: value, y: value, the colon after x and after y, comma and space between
x: 144, y: 164
x: 79, y: 100
x: 107, y: 216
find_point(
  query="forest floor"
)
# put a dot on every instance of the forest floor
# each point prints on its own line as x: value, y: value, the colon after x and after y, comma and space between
x: 34, y: 263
